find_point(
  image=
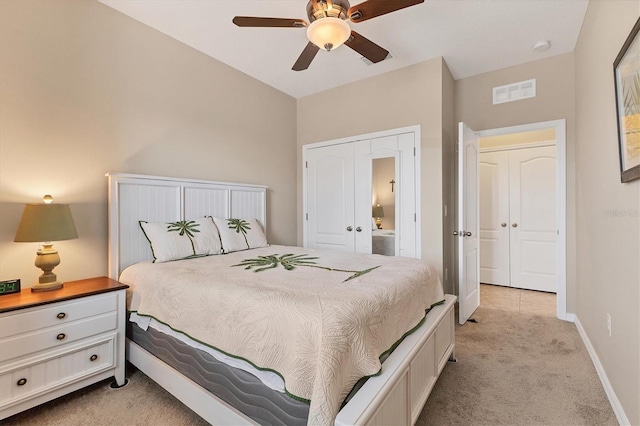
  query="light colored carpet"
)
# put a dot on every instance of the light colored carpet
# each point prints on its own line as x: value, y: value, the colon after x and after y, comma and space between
x: 513, y: 368
x: 516, y: 368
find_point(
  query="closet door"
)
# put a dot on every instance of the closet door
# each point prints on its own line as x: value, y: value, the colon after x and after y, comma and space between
x: 533, y: 218
x: 339, y: 199
x: 330, y: 198
x: 494, y: 218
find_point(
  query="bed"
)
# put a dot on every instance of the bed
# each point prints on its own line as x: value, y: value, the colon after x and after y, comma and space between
x: 394, y: 394
x: 383, y: 241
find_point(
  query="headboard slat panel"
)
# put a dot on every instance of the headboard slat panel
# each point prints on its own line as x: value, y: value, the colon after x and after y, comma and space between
x: 202, y: 201
x: 163, y: 199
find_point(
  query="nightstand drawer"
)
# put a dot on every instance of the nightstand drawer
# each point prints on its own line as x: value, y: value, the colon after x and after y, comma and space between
x: 34, y: 379
x: 29, y: 343
x: 56, y: 313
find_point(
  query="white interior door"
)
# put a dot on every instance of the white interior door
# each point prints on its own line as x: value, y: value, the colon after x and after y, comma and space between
x: 533, y: 218
x: 494, y: 218
x: 330, y: 198
x: 468, y: 255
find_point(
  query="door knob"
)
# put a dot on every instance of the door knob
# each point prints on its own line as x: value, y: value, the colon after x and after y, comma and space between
x: 456, y: 233
x: 349, y: 228
x: 359, y: 229
x: 504, y: 225
x: 515, y: 225
x: 467, y: 234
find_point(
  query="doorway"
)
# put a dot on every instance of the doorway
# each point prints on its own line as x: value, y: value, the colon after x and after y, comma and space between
x: 558, y: 129
x: 517, y: 223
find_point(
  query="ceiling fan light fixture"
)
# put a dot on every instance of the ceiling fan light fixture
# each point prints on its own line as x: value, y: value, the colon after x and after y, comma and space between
x: 328, y: 33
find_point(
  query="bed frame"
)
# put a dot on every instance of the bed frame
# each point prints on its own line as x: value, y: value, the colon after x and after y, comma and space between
x: 396, y: 396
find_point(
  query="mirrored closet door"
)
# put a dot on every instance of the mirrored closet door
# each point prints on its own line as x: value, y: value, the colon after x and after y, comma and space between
x: 361, y: 196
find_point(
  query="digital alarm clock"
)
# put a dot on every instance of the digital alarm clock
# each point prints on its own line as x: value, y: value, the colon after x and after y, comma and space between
x: 9, y: 287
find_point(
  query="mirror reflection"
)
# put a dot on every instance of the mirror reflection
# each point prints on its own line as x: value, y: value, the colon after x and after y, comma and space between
x: 383, y: 211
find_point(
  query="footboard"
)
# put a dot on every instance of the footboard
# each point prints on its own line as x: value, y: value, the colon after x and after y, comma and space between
x: 398, y: 395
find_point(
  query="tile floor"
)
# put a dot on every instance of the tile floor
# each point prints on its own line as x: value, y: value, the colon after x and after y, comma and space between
x: 515, y: 299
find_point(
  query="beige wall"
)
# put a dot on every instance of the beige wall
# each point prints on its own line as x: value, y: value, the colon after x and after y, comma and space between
x: 86, y: 90
x: 554, y: 100
x: 608, y: 219
x: 405, y: 97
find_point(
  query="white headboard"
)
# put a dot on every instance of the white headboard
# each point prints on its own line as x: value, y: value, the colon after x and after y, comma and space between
x: 165, y: 199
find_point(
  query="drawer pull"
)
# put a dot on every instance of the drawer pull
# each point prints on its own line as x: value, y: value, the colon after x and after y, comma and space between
x: 21, y: 382
x: 61, y: 315
x: 93, y: 357
x: 61, y: 336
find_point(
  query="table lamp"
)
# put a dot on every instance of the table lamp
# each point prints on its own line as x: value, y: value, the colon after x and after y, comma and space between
x: 378, y: 213
x: 46, y: 223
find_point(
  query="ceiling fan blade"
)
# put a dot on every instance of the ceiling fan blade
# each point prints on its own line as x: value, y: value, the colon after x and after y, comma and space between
x: 305, y: 58
x: 372, y: 8
x: 366, y: 47
x: 255, y: 21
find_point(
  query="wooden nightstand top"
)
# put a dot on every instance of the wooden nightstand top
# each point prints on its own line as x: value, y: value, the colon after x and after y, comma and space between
x: 71, y: 290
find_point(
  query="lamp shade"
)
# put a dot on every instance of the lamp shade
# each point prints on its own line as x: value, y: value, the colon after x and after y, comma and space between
x: 328, y: 33
x: 46, y: 222
x: 378, y: 211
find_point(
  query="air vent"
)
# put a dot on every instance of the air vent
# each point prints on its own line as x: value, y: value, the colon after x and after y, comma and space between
x: 514, y: 92
x: 368, y: 62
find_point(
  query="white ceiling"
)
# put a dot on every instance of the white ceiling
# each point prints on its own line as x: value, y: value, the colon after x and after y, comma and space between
x: 473, y: 36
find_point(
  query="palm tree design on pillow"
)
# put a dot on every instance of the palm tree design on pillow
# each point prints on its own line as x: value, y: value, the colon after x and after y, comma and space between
x: 290, y: 261
x: 241, y: 226
x: 185, y: 227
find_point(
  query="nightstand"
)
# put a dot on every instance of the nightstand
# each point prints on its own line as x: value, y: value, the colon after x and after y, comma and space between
x: 53, y: 343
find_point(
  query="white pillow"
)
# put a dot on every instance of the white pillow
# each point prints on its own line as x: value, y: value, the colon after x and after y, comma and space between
x: 240, y: 234
x: 373, y: 224
x: 182, y: 239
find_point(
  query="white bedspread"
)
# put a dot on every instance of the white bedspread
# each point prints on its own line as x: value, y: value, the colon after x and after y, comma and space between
x: 312, y: 324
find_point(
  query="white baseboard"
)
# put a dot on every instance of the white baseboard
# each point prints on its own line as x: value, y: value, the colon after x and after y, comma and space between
x: 613, y: 399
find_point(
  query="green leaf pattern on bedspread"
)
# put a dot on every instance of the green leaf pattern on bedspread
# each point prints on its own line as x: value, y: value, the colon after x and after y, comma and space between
x: 290, y: 261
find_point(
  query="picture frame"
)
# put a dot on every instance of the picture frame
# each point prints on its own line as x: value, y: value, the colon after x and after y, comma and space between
x: 626, y: 69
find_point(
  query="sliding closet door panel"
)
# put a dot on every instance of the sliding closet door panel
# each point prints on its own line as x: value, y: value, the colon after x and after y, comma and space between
x: 533, y: 221
x: 494, y: 218
x: 330, y: 198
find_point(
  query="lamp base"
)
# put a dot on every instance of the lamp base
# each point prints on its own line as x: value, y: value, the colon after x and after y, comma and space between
x: 46, y: 286
x: 47, y: 258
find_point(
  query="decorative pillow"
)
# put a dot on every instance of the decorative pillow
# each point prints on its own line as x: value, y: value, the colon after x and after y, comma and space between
x: 374, y: 227
x: 182, y: 239
x: 240, y: 234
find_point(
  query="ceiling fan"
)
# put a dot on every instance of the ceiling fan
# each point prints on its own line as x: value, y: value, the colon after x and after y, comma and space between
x: 328, y: 29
